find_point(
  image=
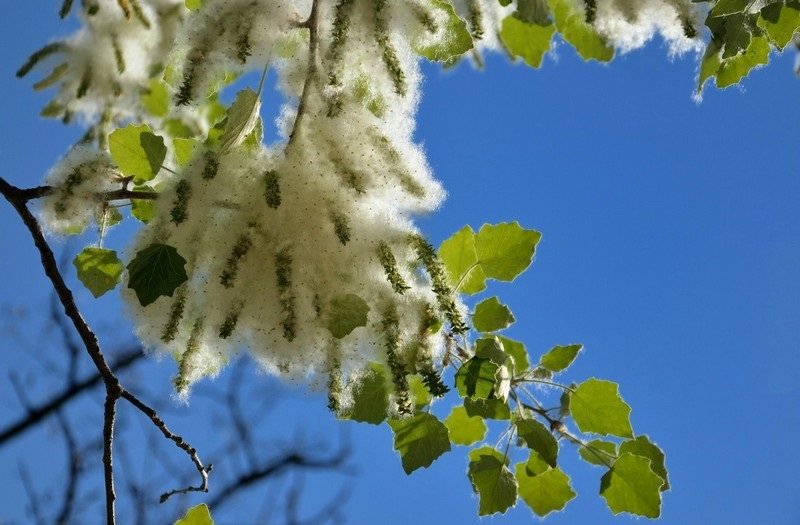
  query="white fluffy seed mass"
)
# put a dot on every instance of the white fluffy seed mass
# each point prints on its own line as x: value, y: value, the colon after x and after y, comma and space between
x: 630, y: 24
x: 278, y: 238
x: 303, y: 253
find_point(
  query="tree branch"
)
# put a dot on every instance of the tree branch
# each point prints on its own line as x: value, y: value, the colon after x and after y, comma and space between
x: 38, y: 413
x: 18, y: 198
x: 311, y: 70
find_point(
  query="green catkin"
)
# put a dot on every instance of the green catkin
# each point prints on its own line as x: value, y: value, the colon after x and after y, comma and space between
x: 175, y: 316
x: 341, y: 24
x: 391, y: 332
x: 390, y: 59
x: 240, y: 249
x: 37, y: 57
x: 334, y: 380
x: 211, y: 166
x: 476, y: 19
x: 66, y: 7
x: 439, y: 285
x: 75, y: 178
x: 118, y: 57
x: 86, y: 82
x: 432, y: 380
x: 229, y: 324
x: 185, y: 93
x: 272, y: 189
x: 91, y: 8
x: 54, y: 76
x: 283, y: 273
x: 591, y: 10
x: 244, y: 47
x: 180, y: 381
x: 688, y: 28
x: 424, y: 17
x: 180, y: 205
x: 389, y: 264
x: 393, y: 157
x: 139, y: 13
x: 126, y: 8
x: 340, y: 227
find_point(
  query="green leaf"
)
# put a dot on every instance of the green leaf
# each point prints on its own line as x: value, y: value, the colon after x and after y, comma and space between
x: 464, y: 430
x: 419, y: 440
x: 600, y: 452
x: 491, y: 348
x: 632, y: 486
x: 137, y: 151
x: 454, y: 43
x: 596, y: 406
x: 729, y: 7
x: 560, y: 357
x: 490, y: 315
x: 535, y: 464
x: 533, y: 12
x: 156, y: 99
x: 505, y: 250
x: 487, y: 408
x: 545, y: 492
x: 242, y: 117
x: 518, y: 353
x: 476, y: 378
x: 733, y: 70
x: 709, y: 65
x: 642, y: 446
x: 345, y: 314
x: 491, y: 479
x: 527, y: 41
x: 738, y: 35
x: 370, y: 397
x: 98, y: 269
x: 197, y: 515
x: 538, y: 438
x: 184, y: 150
x: 571, y: 24
x: 193, y: 5
x: 156, y: 271
x: 781, y: 22
x: 422, y: 397
x: 143, y: 209
x: 461, y: 262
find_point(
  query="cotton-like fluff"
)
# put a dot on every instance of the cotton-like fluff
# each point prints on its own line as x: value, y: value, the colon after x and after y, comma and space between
x: 78, y: 181
x: 278, y: 239
x: 232, y: 36
x: 101, y: 70
x: 630, y: 24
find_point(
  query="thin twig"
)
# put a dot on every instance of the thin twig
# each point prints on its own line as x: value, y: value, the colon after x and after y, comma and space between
x: 178, y: 440
x: 311, y: 70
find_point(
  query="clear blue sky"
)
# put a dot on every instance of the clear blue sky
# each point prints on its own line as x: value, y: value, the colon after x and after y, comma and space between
x: 671, y: 250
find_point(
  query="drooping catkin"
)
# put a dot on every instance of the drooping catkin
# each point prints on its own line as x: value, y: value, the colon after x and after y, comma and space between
x: 389, y: 54
x: 391, y: 334
x: 175, y: 316
x: 283, y: 274
x: 439, y: 284
x: 389, y: 264
x: 240, y: 249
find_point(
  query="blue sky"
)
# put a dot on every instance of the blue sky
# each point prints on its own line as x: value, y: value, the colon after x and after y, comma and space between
x: 671, y: 250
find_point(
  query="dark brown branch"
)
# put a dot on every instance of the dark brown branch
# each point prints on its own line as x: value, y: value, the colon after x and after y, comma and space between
x: 275, y: 468
x: 38, y: 413
x: 179, y: 442
x: 311, y: 69
x: 29, y: 194
x: 109, y: 414
x: 114, y: 391
x: 74, y: 470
